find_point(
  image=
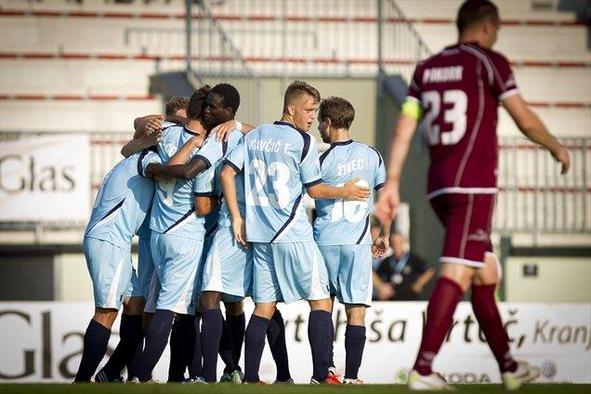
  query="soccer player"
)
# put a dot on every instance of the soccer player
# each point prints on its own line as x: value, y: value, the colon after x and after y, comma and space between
x: 220, y: 107
x: 342, y: 228
x: 459, y: 90
x: 177, y: 226
x: 120, y: 207
x: 227, y: 273
x: 279, y: 160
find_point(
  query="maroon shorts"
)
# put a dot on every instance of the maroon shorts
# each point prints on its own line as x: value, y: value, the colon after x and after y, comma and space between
x: 467, y: 219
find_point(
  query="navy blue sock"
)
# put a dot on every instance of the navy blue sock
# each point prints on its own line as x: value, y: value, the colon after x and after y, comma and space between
x: 134, y: 364
x: 156, y: 340
x: 254, y: 344
x: 226, y: 348
x: 176, y: 367
x: 319, y: 327
x: 130, y: 333
x: 182, y: 343
x: 96, y: 340
x: 354, y: 344
x: 276, y: 339
x: 331, y: 350
x: 195, y: 362
x: 237, y: 325
x: 211, y: 333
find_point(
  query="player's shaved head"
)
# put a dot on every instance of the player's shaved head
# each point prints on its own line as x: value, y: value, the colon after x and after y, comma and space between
x: 229, y: 94
x: 340, y: 112
x: 296, y: 90
x: 195, y: 109
x: 474, y: 12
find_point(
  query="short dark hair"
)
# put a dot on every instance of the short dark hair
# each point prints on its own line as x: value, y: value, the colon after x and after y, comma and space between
x: 340, y: 112
x: 175, y: 104
x: 195, y: 108
x: 473, y: 12
x: 296, y: 89
x: 229, y: 94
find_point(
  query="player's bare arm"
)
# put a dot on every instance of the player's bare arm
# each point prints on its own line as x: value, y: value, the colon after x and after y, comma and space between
x: 141, y: 143
x: 204, y: 205
x: 182, y: 171
x: 532, y: 127
x: 222, y: 131
x: 183, y: 154
x: 147, y: 133
x: 350, y: 191
x: 389, y: 199
x: 227, y: 177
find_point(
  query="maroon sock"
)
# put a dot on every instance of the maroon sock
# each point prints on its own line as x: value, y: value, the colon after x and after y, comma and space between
x: 442, y: 305
x: 489, y: 319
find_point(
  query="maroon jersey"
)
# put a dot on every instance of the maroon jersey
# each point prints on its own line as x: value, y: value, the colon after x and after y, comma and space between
x: 459, y: 90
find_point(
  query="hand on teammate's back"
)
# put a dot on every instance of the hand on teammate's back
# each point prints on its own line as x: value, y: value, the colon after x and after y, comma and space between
x: 153, y: 125
x: 223, y: 130
x: 355, y: 192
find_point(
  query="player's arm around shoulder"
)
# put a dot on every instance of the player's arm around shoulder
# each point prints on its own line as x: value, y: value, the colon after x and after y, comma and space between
x: 533, y: 128
x: 356, y: 189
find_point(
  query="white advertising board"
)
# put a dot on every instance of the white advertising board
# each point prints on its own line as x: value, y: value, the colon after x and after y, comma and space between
x: 45, y: 178
x: 42, y: 342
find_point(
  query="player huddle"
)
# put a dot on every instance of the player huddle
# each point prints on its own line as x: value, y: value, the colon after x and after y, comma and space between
x: 219, y: 214
x: 218, y: 210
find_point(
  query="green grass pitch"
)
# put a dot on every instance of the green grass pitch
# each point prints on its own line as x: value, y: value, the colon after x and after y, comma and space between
x: 271, y: 389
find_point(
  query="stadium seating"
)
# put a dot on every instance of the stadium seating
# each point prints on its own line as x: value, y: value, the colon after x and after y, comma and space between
x: 322, y: 39
x: 96, y: 56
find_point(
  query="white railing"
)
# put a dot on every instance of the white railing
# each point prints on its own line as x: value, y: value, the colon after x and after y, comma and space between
x: 533, y: 195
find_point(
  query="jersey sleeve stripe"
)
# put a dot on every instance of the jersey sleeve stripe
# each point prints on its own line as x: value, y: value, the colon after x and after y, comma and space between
x: 313, y: 183
x: 380, y: 160
x: 364, y: 231
x: 508, y: 93
x: 139, y: 163
x: 377, y: 187
x: 205, y: 194
x: 296, y: 204
x: 111, y: 211
x: 224, y: 148
x: 325, y: 154
x: 234, y: 166
x: 484, y: 60
x: 205, y: 160
x: 306, y: 148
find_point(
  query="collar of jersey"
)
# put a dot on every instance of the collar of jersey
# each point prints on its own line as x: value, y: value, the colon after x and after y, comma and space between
x: 288, y: 124
x: 337, y: 143
x: 187, y: 130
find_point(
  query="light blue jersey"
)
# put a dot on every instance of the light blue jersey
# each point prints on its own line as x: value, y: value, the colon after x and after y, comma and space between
x: 173, y: 211
x: 213, y: 153
x: 122, y: 201
x: 278, y: 161
x: 341, y: 222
